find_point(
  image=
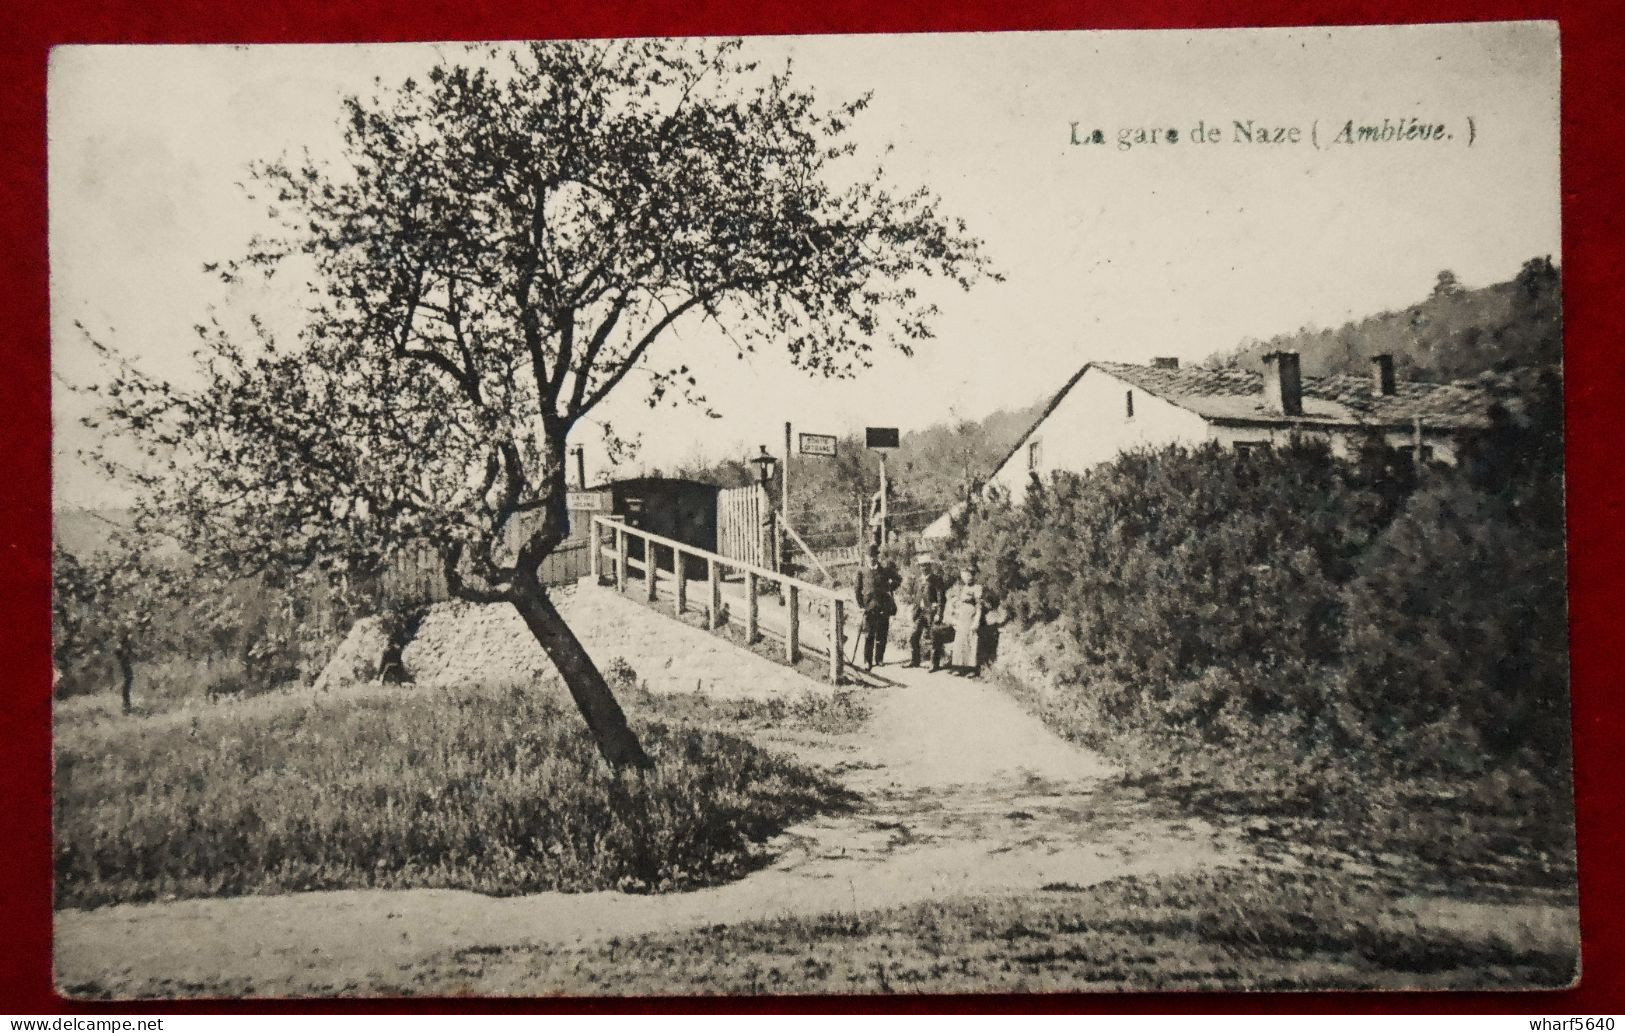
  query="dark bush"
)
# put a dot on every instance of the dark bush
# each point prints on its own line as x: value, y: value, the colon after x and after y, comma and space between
x: 1305, y: 629
x: 1457, y: 618
x: 1165, y: 564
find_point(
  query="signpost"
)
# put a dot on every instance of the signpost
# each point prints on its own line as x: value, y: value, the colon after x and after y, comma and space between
x: 785, y: 487
x: 880, y: 439
x: 811, y: 445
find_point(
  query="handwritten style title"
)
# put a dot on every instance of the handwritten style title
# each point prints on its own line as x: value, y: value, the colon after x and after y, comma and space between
x: 1249, y: 132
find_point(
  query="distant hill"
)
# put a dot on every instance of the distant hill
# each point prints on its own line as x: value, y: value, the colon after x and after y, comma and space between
x: 86, y: 531
x: 1453, y: 333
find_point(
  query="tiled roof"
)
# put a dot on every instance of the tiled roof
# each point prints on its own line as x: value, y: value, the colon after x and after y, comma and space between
x: 1231, y: 393
x: 1238, y: 394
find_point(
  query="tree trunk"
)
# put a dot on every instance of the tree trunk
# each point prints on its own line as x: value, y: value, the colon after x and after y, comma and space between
x: 127, y: 678
x: 605, y: 720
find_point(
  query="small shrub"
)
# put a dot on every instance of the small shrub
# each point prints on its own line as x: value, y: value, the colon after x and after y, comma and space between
x: 619, y: 673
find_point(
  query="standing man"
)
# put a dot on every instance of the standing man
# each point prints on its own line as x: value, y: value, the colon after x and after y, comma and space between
x: 930, y: 604
x: 877, y: 603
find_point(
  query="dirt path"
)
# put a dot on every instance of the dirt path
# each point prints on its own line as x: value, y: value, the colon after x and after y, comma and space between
x: 963, y: 793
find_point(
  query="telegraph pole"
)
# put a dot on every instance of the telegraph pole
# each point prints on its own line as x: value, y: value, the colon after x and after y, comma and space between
x: 786, y: 485
x: 884, y: 509
x: 581, y: 467
x: 880, y: 439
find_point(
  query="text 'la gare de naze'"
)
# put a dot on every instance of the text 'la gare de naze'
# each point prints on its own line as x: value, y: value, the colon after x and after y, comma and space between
x: 1247, y: 131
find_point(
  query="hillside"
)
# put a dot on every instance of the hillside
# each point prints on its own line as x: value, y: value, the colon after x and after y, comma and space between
x: 86, y: 531
x: 1454, y: 332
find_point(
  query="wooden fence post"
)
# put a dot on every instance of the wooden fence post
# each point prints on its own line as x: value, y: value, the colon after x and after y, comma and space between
x: 714, y: 607
x: 620, y: 559
x: 651, y: 571
x: 792, y: 623
x: 752, y: 615
x: 682, y: 582
x: 837, y: 607
x: 595, y: 558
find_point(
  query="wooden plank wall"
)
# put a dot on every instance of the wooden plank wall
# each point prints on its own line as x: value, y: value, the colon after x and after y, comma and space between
x: 416, y: 575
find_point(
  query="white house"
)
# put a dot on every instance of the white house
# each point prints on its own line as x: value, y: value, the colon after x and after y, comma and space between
x: 1108, y: 408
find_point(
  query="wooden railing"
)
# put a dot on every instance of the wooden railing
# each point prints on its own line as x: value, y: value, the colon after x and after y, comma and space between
x: 610, y: 555
x: 813, y: 556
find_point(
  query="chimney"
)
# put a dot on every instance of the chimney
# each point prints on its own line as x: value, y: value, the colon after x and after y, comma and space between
x: 581, y: 467
x: 1283, y: 385
x: 1382, y: 374
x: 1164, y: 362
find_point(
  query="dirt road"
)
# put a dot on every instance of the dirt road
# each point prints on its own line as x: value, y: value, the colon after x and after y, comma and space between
x: 963, y: 793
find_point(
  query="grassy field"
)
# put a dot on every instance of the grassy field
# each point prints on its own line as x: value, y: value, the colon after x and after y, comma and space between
x: 499, y: 792
x: 1277, y: 929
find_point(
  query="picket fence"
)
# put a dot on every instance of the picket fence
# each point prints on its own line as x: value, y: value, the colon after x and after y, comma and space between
x: 740, y: 534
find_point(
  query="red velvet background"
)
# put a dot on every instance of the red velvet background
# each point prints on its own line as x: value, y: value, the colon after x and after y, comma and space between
x: 1593, y: 57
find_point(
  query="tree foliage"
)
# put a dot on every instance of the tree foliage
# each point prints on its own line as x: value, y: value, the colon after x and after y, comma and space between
x: 1455, y: 332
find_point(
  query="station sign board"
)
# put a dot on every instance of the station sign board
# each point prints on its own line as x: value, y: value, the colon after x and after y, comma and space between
x: 817, y: 444
x: 592, y: 501
x: 880, y: 437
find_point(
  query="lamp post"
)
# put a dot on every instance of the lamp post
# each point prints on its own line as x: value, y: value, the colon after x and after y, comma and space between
x: 765, y: 465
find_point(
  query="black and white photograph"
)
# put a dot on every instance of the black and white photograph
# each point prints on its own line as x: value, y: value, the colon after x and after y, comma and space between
x: 944, y: 513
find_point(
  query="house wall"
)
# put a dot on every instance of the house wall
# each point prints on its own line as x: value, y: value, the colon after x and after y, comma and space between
x: 1445, y: 447
x: 1091, y: 426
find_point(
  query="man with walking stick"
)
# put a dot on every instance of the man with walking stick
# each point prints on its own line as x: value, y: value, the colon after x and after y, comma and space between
x: 877, y: 603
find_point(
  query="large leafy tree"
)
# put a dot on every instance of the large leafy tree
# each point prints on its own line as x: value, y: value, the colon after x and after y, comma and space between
x: 499, y: 248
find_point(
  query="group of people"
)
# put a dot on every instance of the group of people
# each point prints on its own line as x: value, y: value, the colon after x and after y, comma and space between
x: 945, y: 616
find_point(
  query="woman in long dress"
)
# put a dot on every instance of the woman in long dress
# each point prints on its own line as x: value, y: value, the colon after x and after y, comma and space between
x: 965, y: 602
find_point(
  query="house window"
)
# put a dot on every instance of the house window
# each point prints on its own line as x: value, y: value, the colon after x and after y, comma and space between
x: 1128, y: 404
x: 1408, y: 452
x: 1035, y: 455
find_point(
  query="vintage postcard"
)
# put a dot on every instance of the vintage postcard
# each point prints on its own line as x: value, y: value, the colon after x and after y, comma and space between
x: 879, y: 514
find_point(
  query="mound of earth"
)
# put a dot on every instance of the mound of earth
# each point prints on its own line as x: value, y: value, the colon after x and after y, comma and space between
x: 460, y: 643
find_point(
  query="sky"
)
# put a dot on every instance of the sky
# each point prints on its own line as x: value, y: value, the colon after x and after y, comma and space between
x: 1166, y: 249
